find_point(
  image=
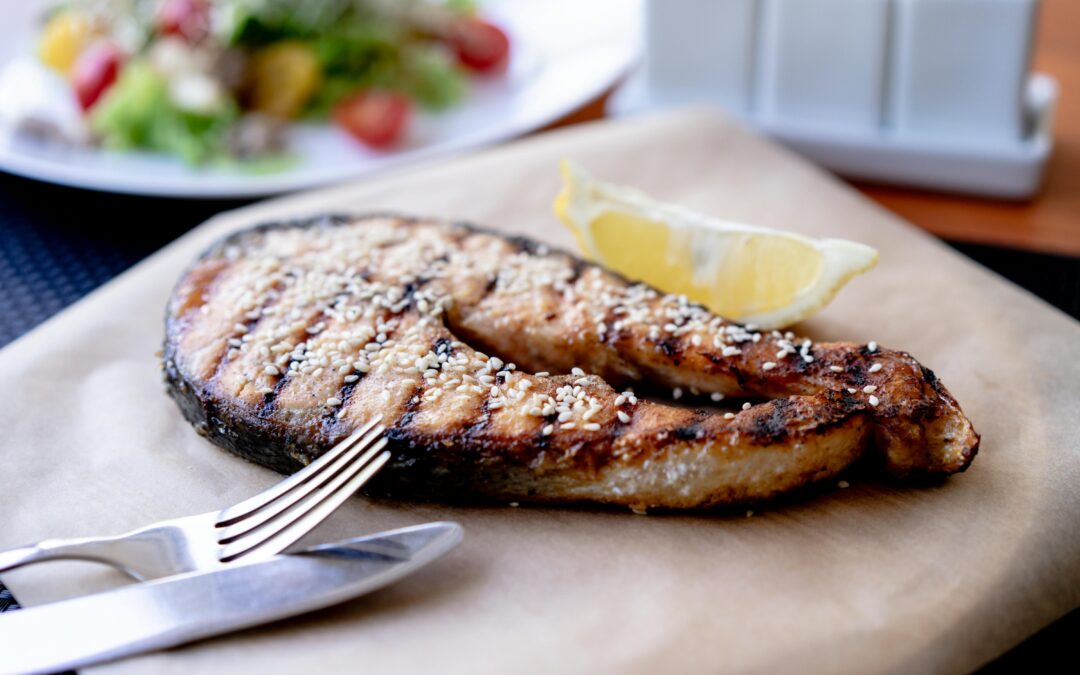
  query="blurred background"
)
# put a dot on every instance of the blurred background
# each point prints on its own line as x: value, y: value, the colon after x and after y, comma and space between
x: 125, y: 123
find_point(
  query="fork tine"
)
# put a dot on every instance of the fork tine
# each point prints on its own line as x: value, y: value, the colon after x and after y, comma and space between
x: 232, y: 514
x: 313, y: 510
x: 287, y: 500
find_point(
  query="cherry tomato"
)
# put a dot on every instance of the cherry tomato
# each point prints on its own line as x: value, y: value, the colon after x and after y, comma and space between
x: 374, y: 117
x: 188, y: 19
x: 480, y: 46
x: 94, y: 72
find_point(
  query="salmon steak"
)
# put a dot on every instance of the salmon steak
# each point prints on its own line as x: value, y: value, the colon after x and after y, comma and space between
x: 508, y: 370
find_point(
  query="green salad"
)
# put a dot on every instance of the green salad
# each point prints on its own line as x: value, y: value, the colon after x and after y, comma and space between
x: 221, y: 79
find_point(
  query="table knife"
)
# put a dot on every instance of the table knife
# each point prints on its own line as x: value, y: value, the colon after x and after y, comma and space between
x: 176, y: 610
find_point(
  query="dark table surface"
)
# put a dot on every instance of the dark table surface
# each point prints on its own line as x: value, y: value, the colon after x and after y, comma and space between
x: 58, y: 244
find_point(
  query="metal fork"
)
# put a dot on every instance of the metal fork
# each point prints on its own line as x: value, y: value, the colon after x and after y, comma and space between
x: 255, y: 529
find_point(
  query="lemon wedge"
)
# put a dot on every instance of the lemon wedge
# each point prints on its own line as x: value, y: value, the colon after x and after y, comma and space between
x: 756, y: 275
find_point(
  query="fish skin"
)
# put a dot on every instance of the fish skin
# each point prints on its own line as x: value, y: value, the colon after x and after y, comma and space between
x: 544, y: 310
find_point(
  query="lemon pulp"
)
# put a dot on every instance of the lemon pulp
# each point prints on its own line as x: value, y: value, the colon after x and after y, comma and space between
x: 752, y: 274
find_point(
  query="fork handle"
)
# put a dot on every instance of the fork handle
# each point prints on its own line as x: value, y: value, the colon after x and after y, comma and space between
x: 53, y: 549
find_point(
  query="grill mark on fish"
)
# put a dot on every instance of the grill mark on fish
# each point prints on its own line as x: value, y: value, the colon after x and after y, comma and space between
x: 931, y: 378
x: 670, y: 348
x: 413, y: 402
x: 483, y: 419
x: 223, y: 359
x: 772, y: 429
x: 856, y: 376
x: 406, y: 419
x: 740, y: 378
x: 577, y: 268
x: 332, y: 426
x: 519, y: 243
x: 797, y: 364
x: 689, y: 432
x: 268, y: 406
x: 717, y: 360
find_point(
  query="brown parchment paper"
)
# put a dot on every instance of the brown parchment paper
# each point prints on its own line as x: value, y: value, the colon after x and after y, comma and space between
x: 874, y: 578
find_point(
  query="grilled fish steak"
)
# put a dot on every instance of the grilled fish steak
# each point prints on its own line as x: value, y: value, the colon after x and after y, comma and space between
x: 504, y: 369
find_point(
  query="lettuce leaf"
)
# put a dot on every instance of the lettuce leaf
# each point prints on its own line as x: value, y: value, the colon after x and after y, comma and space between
x: 137, y: 112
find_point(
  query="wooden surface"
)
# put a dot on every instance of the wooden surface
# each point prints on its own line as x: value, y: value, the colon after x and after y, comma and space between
x: 1050, y: 221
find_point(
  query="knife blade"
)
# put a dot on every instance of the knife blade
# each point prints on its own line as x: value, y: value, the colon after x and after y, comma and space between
x: 172, y: 611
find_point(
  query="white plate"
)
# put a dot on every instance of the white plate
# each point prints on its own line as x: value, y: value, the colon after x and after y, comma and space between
x: 564, y: 53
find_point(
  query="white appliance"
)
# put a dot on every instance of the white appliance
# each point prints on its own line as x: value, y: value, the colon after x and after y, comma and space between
x: 930, y: 93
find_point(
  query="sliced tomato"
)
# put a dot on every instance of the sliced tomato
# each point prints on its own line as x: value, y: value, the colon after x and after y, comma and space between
x: 480, y: 46
x: 94, y: 72
x: 375, y: 117
x: 189, y: 19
